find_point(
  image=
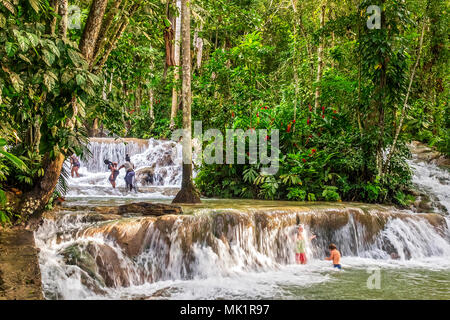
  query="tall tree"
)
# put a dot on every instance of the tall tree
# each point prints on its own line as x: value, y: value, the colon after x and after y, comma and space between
x: 176, y: 75
x: 63, y: 7
x: 188, y: 193
x: 92, y: 29
x: 33, y: 202
x: 320, y: 56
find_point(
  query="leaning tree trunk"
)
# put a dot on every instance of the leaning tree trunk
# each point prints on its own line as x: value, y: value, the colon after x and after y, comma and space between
x: 188, y: 193
x: 92, y: 29
x: 33, y: 203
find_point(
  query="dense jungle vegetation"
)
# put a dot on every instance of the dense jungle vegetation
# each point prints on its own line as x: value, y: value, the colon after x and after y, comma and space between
x: 346, y: 98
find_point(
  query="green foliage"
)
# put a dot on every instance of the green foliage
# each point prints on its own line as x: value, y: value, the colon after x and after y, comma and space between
x: 259, y: 70
x: 330, y: 194
x: 44, y: 81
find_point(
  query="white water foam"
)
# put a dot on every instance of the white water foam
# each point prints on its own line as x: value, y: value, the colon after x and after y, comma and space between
x: 432, y: 180
x: 162, y: 156
x: 245, y: 266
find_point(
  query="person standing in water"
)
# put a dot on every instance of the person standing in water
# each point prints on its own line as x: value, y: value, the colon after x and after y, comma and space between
x: 74, y: 165
x: 112, y: 166
x: 335, y: 256
x: 300, y: 246
x: 129, y: 168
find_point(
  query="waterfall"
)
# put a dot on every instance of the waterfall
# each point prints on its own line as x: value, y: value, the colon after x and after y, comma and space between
x: 157, y: 165
x: 223, y: 248
x: 113, y: 150
x: 433, y: 181
x: 104, y: 258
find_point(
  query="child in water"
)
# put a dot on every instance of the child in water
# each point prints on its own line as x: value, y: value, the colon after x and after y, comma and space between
x: 335, y: 256
x: 300, y: 252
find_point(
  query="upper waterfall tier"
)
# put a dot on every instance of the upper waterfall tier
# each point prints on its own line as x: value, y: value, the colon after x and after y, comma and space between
x: 157, y: 164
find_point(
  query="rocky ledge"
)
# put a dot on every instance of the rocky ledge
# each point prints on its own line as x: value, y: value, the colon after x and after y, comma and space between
x: 429, y: 154
x: 136, y: 208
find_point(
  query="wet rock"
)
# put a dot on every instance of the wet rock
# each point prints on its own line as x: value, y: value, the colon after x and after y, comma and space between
x: 106, y: 210
x: 77, y: 255
x: 99, y: 217
x: 100, y: 262
x: 429, y: 154
x: 443, y: 161
x: 146, y: 176
x: 150, y: 209
x: 128, y: 234
x: 165, y: 160
x: 437, y: 221
x: 109, y: 266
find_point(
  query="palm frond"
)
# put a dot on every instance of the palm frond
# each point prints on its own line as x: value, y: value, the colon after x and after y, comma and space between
x: 62, y: 187
x: 8, y: 5
x: 35, y: 4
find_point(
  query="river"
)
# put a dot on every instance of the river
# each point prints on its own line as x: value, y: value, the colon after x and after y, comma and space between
x: 235, y: 249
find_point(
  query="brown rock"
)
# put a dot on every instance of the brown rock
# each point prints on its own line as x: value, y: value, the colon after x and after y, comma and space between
x: 145, y: 175
x: 106, y: 210
x: 149, y: 209
x: 129, y: 234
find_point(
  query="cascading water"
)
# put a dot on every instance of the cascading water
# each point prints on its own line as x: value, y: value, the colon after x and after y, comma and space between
x: 232, y: 249
x: 137, y: 256
x: 157, y: 165
x: 433, y: 181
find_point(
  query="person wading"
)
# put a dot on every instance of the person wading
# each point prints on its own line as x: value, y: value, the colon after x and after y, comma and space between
x: 129, y: 168
x: 74, y: 165
x: 300, y: 246
x: 112, y: 166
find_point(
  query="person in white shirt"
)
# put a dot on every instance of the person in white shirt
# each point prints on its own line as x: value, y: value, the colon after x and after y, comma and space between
x: 129, y: 168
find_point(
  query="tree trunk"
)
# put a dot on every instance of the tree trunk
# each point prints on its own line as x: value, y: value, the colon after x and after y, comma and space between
x: 63, y: 7
x: 92, y: 29
x: 320, y: 59
x: 151, y: 99
x: 176, y: 76
x: 33, y: 203
x: 188, y: 193
x: 94, y: 131
x: 169, y: 36
x: 405, y: 104
x: 54, y: 20
x: 113, y: 41
x: 102, y: 39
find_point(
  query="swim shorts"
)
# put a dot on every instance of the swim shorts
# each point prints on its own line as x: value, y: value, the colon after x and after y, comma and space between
x: 129, y: 177
x: 300, y: 257
x: 337, y: 266
x: 114, y: 175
